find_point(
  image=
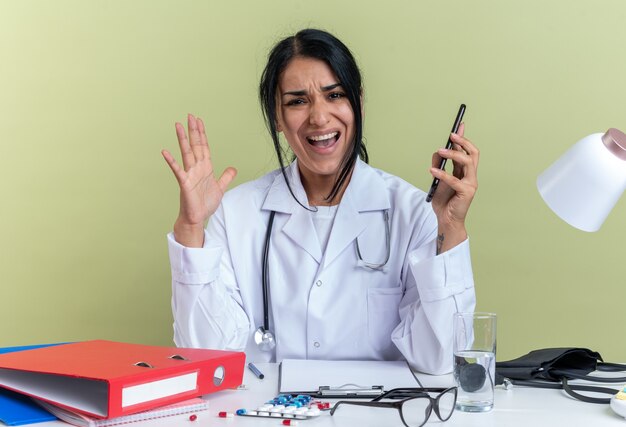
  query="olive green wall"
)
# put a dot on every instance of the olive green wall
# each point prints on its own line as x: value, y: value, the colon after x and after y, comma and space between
x: 90, y: 90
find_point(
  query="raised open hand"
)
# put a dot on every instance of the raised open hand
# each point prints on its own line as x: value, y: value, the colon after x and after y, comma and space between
x: 200, y: 192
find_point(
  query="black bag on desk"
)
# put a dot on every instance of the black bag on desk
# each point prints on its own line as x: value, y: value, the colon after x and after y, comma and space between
x: 554, y: 367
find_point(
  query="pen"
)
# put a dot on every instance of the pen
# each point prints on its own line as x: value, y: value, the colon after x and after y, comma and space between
x: 256, y: 371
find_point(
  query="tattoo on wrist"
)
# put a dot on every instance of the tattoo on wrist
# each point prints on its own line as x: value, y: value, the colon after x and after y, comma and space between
x: 440, y: 238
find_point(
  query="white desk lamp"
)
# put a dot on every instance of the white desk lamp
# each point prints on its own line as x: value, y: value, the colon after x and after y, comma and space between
x: 584, y: 184
x: 582, y: 187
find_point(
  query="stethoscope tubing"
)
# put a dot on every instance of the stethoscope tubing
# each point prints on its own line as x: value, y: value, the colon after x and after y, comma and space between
x: 265, y: 278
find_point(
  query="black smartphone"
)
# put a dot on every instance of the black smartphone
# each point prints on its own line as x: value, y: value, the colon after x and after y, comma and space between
x: 442, y: 164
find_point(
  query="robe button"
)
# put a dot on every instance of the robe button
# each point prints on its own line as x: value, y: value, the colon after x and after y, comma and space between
x: 316, y: 344
x: 318, y: 283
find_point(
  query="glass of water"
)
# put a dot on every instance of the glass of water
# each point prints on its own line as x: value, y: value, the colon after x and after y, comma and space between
x: 474, y: 360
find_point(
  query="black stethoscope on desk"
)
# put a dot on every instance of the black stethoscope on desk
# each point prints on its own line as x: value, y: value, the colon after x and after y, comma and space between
x: 263, y: 336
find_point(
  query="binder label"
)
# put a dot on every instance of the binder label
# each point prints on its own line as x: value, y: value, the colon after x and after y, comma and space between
x: 132, y: 395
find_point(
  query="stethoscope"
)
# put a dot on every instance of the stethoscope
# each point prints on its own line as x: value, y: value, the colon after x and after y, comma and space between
x: 263, y: 336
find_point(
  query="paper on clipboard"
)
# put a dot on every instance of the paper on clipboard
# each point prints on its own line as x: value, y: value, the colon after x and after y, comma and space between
x: 308, y: 376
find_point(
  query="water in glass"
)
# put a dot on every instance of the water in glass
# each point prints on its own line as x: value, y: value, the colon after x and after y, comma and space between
x: 474, y: 372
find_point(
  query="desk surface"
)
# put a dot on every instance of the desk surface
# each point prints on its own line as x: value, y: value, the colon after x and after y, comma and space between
x: 517, y: 407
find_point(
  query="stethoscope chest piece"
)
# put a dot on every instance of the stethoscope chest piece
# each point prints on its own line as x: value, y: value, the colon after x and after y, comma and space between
x: 264, y: 339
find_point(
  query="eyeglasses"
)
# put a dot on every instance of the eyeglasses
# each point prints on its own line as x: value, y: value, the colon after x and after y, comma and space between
x: 415, y: 405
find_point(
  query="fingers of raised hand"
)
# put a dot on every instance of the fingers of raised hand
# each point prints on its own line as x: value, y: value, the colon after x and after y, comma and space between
x: 461, y: 130
x: 462, y: 187
x: 463, y: 144
x: 436, y: 160
x: 203, y: 138
x: 185, y: 149
x: 227, y: 176
x: 464, y: 163
x: 195, y: 138
x: 457, y: 156
x: 179, y: 172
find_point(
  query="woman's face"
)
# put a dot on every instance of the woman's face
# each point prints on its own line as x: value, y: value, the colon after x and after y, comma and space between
x: 315, y: 116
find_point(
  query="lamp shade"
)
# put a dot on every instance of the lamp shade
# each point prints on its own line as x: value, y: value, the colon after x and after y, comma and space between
x: 584, y: 184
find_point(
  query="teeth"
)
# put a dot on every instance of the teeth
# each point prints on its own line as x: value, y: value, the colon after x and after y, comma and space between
x: 323, y: 137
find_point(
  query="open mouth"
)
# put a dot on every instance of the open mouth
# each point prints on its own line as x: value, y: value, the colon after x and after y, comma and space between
x: 323, y: 141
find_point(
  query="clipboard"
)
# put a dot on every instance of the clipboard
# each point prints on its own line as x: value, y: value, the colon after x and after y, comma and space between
x: 344, y: 379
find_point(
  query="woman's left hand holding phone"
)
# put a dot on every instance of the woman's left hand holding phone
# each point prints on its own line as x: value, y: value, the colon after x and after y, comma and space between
x: 456, y: 191
x: 200, y: 192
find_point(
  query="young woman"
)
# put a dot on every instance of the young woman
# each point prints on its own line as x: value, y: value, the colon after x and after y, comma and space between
x: 325, y: 257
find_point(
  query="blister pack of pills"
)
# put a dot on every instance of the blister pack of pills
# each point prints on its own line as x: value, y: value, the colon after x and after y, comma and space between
x: 286, y: 406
